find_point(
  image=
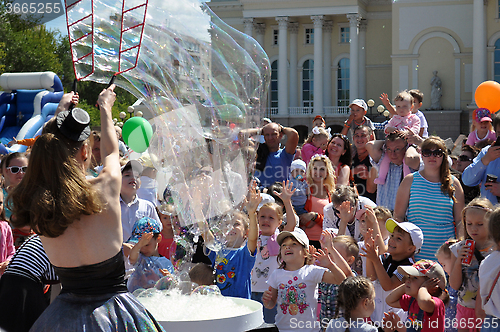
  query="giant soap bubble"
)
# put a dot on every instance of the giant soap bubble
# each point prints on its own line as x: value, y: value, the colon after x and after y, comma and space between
x: 203, y: 81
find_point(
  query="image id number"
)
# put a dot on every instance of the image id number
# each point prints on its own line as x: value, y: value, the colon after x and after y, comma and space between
x: 34, y: 8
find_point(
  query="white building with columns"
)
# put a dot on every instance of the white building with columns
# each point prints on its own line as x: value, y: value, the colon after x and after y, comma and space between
x: 326, y: 53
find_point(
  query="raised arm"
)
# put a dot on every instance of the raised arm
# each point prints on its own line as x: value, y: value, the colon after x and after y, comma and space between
x: 372, y: 256
x: 335, y: 275
x: 286, y: 197
x: 66, y: 101
x: 393, y: 298
x: 292, y: 139
x: 253, y: 229
x: 384, y: 97
x: 110, y: 154
x: 375, y: 149
x: 424, y: 298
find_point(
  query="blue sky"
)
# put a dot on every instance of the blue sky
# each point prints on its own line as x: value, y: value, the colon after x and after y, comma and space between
x: 59, y: 23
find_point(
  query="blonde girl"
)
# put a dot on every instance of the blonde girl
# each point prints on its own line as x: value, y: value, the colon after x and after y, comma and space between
x: 356, y: 298
x: 463, y: 278
x: 315, y: 143
x: 292, y: 286
x: 321, y: 181
x: 481, y: 128
x: 269, y: 217
x: 444, y: 257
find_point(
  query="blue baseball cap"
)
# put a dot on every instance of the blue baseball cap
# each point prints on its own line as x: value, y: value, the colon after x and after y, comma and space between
x: 142, y: 226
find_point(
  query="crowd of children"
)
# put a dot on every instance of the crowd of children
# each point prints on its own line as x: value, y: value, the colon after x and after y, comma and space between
x: 312, y: 250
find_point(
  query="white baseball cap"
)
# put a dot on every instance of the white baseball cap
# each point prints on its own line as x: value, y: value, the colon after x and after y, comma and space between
x: 359, y: 102
x: 415, y: 232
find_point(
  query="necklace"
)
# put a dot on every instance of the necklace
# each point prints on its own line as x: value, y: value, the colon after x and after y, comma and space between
x: 359, y: 124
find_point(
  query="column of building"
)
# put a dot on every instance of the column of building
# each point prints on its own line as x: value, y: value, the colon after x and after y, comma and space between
x: 478, y: 45
x: 327, y: 63
x: 318, y: 63
x: 282, y: 65
x: 362, y: 60
x: 248, y: 23
x: 293, y: 28
x: 260, y: 29
x: 354, y: 20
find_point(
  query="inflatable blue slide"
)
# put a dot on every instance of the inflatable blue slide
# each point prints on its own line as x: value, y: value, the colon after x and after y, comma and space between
x: 28, y: 101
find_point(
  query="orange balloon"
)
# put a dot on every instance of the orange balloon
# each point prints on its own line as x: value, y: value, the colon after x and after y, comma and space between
x: 488, y: 96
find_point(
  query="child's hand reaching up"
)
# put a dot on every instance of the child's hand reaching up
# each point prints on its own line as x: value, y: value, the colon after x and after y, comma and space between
x: 254, y: 198
x: 326, y: 239
x: 287, y: 192
x: 384, y: 97
x: 322, y: 258
x: 371, y: 250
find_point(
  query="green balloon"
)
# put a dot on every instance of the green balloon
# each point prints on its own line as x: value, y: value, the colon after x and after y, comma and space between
x: 137, y: 133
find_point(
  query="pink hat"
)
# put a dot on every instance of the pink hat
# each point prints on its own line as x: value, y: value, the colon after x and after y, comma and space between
x: 481, y: 115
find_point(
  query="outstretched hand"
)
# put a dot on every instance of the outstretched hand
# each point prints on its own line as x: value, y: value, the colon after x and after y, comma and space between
x: 254, y: 198
x: 371, y: 250
x: 346, y: 211
x: 384, y: 97
x: 287, y: 192
x: 326, y: 239
x: 322, y: 258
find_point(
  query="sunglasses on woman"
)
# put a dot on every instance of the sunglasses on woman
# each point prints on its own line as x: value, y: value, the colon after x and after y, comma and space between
x: 16, y: 169
x: 435, y: 153
x: 464, y: 158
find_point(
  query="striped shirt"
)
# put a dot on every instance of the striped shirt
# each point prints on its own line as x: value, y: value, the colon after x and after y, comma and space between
x: 431, y: 210
x: 31, y: 261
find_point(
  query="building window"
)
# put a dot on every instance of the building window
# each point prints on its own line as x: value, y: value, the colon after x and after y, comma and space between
x: 344, y: 35
x: 497, y: 61
x: 343, y: 83
x: 308, y: 83
x: 275, y: 37
x: 274, y: 84
x: 309, y: 36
